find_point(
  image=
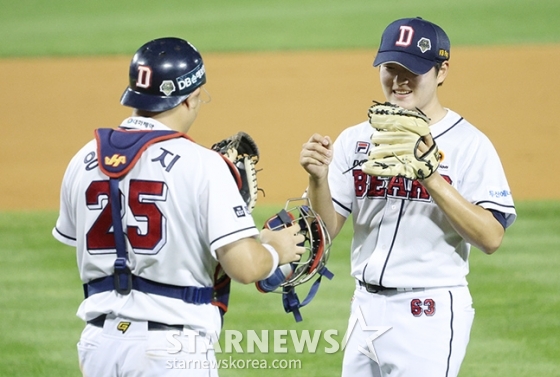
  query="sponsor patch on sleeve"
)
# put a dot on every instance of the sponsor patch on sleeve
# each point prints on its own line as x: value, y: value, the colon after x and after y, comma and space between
x: 239, y: 211
x: 499, y: 193
x: 362, y: 147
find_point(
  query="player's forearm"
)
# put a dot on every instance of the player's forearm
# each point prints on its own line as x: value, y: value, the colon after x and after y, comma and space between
x: 474, y: 223
x: 319, y: 195
x: 246, y: 261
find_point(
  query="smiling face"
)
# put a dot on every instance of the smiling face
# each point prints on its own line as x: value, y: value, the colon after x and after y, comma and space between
x: 412, y: 91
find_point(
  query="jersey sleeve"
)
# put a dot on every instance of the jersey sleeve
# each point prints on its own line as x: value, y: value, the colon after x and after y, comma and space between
x: 65, y: 228
x: 228, y: 217
x: 485, y: 183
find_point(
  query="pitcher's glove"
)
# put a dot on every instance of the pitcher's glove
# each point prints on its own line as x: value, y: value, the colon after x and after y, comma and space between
x: 396, y: 137
x: 241, y: 153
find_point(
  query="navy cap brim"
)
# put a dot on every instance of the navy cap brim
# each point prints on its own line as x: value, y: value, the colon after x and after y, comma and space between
x: 149, y: 102
x: 411, y: 62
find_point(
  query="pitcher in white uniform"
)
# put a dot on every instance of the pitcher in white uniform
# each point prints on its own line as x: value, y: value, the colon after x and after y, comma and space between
x: 412, y: 238
x: 153, y: 217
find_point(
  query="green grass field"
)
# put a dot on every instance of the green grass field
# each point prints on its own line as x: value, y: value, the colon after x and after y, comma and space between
x: 516, y: 330
x: 80, y: 27
x: 516, y: 291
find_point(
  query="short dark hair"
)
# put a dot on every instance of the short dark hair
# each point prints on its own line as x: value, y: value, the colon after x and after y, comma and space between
x: 438, y: 67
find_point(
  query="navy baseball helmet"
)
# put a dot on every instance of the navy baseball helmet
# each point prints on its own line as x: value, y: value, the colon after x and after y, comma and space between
x: 163, y: 73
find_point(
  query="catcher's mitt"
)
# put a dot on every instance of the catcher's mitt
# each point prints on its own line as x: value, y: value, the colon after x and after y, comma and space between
x: 313, y: 262
x: 241, y: 153
x: 396, y: 137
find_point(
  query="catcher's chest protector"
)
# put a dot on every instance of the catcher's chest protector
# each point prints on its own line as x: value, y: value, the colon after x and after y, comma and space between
x: 119, y: 150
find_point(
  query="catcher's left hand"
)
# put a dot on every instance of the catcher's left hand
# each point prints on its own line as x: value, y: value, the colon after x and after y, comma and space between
x: 241, y: 153
x: 399, y: 134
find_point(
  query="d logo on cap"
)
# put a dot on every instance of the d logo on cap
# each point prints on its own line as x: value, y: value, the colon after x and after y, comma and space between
x: 416, y: 44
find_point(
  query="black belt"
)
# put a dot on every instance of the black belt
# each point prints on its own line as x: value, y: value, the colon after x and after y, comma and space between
x: 152, y: 326
x: 372, y: 288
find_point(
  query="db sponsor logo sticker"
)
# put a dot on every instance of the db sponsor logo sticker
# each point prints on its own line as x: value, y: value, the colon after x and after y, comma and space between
x: 239, y: 211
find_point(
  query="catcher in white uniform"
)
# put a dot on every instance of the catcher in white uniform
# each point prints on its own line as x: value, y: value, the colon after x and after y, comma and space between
x: 154, y: 218
x: 423, y: 185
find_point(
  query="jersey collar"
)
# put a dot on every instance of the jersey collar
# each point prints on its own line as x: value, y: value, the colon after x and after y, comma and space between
x: 142, y: 123
x: 449, y: 120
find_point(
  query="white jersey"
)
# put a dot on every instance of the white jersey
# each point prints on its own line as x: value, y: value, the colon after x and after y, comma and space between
x: 401, y: 237
x: 180, y: 204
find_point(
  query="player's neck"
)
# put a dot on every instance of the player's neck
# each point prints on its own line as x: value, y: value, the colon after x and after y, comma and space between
x: 172, y: 118
x: 435, y: 111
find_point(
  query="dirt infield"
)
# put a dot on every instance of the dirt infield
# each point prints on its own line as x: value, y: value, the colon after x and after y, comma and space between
x: 51, y: 106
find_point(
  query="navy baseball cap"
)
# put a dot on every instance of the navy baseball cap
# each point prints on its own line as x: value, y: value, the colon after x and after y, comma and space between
x: 414, y: 43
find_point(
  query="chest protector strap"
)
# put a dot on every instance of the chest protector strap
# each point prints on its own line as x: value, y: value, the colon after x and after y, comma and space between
x: 118, y: 151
